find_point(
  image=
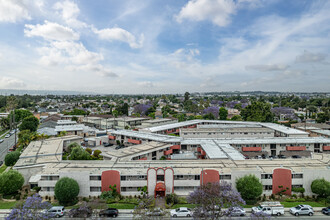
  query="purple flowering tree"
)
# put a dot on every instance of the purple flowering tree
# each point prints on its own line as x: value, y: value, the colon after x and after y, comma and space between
x: 31, y: 209
x: 259, y: 215
x: 141, y: 108
x: 213, y: 110
x: 212, y: 198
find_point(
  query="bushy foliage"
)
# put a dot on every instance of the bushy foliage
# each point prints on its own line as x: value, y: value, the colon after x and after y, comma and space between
x: 111, y: 194
x: 142, y: 109
x: 11, y: 158
x: 172, y: 198
x: 223, y: 113
x: 71, y: 146
x: 97, y: 153
x: 25, y: 137
x: 257, y: 111
x: 88, y: 150
x: 212, y: 198
x: 29, y: 123
x: 66, y: 190
x: 83, y: 211
x: 78, y: 153
x: 260, y: 215
x: 249, y: 186
x: 321, y: 187
x: 10, y: 182
x: 212, y: 110
x: 31, y: 209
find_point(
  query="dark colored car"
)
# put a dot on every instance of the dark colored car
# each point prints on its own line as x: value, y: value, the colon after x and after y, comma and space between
x: 81, y: 212
x: 110, y: 212
x: 281, y: 156
x: 107, y: 144
x: 326, y: 210
x: 119, y: 147
x: 296, y: 156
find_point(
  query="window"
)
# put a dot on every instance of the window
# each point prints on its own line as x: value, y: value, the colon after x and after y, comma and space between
x: 178, y: 177
x: 225, y: 177
x: 297, y: 186
x: 183, y: 147
x: 95, y: 189
x: 95, y: 178
x: 122, y: 178
x: 197, y: 177
x: 266, y: 176
x: 268, y: 187
x: 142, y: 177
x: 160, y: 177
x: 297, y: 176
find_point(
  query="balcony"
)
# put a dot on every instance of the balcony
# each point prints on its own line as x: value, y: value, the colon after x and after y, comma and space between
x: 203, y: 153
x: 112, y: 137
x: 168, y: 152
x: 295, y: 148
x: 251, y: 149
x: 134, y: 141
x: 175, y: 147
x: 199, y: 149
x: 326, y: 147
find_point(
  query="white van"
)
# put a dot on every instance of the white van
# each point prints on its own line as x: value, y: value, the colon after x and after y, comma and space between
x: 270, y: 208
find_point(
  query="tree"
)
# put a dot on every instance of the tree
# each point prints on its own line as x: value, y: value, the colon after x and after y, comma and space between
x: 209, y: 116
x: 236, y: 118
x: 212, y: 198
x: 25, y: 137
x: 186, y: 96
x: 31, y: 209
x: 12, y: 158
x: 250, y: 188
x: 66, y: 190
x: 321, y: 187
x: 73, y: 145
x: 223, y: 113
x: 10, y: 182
x: 78, y: 153
x: 257, y: 111
x: 29, y: 123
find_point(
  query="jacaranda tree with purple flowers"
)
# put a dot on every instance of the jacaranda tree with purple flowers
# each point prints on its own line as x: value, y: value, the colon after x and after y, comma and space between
x: 213, y: 110
x: 31, y: 209
x: 214, y: 200
x: 142, y: 109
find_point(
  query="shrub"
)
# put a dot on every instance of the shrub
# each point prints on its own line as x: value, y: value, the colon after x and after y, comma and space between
x: 272, y: 197
x: 321, y: 187
x: 12, y: 158
x: 97, y: 153
x: 172, y: 198
x: 71, y: 146
x: 66, y: 190
x: 89, y: 150
x: 18, y: 197
x: 249, y: 186
x: 10, y: 182
x: 78, y: 153
x: 294, y: 196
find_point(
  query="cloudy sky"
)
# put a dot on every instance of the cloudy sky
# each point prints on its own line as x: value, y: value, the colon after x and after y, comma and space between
x: 156, y: 46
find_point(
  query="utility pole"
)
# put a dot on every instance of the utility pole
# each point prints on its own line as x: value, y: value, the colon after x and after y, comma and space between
x: 15, y: 127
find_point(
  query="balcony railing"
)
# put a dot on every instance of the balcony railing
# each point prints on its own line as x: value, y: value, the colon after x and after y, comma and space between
x: 295, y: 148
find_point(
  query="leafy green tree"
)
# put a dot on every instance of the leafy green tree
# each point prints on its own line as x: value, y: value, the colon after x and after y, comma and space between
x: 257, y: 111
x: 12, y: 158
x: 209, y: 116
x: 66, y: 190
x: 78, y: 153
x: 236, y: 118
x: 321, y: 187
x: 322, y: 117
x: 223, y: 113
x: 73, y: 145
x: 250, y: 188
x: 25, y: 137
x: 10, y: 182
x: 186, y: 96
x: 29, y: 123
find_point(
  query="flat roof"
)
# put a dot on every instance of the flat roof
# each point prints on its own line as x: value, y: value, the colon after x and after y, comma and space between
x: 284, y: 129
x: 64, y: 122
x: 159, y: 120
x: 68, y: 128
x: 324, y: 132
x: 228, y: 129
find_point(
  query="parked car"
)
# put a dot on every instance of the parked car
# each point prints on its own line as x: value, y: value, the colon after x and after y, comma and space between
x: 84, y: 212
x: 302, y: 210
x: 156, y: 212
x: 181, y: 212
x: 119, y: 147
x: 296, y: 156
x: 237, y: 211
x: 110, y: 212
x: 55, y: 211
x: 326, y: 210
x: 7, y: 136
x: 1, y: 162
x: 1, y: 140
x: 270, y: 208
x: 281, y: 156
x: 107, y: 144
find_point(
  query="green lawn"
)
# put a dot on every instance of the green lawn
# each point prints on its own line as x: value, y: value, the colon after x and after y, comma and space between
x: 293, y: 204
x: 122, y: 205
x: 3, y: 168
x: 7, y: 205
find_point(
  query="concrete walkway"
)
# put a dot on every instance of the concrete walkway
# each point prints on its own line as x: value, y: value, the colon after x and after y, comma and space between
x: 160, y: 202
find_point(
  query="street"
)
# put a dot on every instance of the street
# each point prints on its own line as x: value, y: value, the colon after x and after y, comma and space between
x: 5, y: 145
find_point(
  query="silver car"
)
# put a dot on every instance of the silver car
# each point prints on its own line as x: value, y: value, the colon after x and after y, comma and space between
x: 302, y: 210
x: 55, y: 211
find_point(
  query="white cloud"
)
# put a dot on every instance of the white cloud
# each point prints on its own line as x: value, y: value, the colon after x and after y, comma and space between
x: 51, y: 31
x: 69, y: 12
x: 13, y: 11
x: 266, y: 68
x: 74, y: 56
x: 308, y: 57
x: 146, y: 84
x: 119, y: 34
x: 217, y: 11
x: 11, y: 83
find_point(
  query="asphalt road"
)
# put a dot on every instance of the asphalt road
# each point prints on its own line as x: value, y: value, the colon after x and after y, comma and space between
x: 5, y: 145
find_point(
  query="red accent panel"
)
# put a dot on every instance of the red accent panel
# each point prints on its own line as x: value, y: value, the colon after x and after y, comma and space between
x: 199, y: 149
x: 176, y: 147
x: 203, y: 153
x: 326, y: 147
x: 112, y: 137
x: 282, y: 177
x: 143, y: 158
x: 110, y: 177
x: 168, y: 152
x: 134, y: 141
x: 245, y: 149
x: 160, y: 187
x: 209, y: 176
x: 298, y: 148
